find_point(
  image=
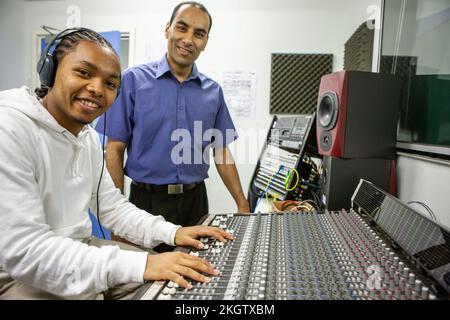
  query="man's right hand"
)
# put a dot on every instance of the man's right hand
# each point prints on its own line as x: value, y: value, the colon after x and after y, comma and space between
x: 176, y: 266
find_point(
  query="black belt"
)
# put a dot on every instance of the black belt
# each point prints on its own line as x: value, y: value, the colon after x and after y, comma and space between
x: 169, y: 188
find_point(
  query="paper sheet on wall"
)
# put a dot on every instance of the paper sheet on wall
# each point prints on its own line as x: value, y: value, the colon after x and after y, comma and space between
x: 239, y: 88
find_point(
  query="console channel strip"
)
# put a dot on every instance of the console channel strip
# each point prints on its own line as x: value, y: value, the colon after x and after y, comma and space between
x: 379, y: 249
x: 298, y: 255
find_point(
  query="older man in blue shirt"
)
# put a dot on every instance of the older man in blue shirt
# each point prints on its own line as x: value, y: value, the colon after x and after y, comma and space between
x: 168, y: 116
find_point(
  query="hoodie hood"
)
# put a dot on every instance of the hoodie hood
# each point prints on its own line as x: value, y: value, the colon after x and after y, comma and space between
x: 22, y: 100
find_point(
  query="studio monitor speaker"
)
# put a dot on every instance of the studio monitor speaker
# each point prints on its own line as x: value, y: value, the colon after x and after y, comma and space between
x: 340, y: 178
x: 357, y: 115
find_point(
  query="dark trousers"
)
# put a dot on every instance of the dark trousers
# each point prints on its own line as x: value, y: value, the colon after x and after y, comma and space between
x: 185, y: 209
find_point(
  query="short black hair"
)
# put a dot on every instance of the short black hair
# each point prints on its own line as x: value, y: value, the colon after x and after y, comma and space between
x: 192, y: 4
x: 69, y: 43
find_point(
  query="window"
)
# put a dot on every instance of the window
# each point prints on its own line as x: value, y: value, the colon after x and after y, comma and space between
x: 416, y: 47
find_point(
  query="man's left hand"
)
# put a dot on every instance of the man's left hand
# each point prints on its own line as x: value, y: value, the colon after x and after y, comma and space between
x: 187, y: 236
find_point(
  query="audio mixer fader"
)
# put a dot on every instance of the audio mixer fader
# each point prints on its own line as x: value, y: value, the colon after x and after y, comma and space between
x: 345, y: 254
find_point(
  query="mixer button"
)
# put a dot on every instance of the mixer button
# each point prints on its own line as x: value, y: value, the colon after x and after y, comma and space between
x: 425, y: 293
x: 411, y: 278
x: 418, y: 285
x: 405, y: 272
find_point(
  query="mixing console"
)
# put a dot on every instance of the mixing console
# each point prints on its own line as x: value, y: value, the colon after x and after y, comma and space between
x: 301, y: 255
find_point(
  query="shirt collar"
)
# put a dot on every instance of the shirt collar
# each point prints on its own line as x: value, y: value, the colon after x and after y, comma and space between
x: 164, y: 68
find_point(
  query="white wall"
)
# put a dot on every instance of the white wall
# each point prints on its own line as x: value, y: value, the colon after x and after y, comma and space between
x: 425, y: 180
x: 243, y: 36
x: 13, y: 41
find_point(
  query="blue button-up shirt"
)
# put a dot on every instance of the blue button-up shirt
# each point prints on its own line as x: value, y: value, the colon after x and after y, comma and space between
x: 168, y: 125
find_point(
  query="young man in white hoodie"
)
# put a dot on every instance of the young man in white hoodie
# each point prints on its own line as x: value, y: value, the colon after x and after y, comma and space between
x: 51, y: 163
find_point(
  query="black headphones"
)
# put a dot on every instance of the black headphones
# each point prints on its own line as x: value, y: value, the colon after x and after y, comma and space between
x: 47, y: 64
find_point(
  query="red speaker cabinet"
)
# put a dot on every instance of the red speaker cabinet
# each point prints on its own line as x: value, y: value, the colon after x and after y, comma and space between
x: 357, y: 115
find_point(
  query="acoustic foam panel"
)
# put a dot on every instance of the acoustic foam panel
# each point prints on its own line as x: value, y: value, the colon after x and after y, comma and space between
x: 358, y: 49
x: 295, y: 80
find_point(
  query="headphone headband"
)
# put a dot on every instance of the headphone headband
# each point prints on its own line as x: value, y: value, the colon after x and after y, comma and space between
x: 48, y: 63
x: 46, y: 66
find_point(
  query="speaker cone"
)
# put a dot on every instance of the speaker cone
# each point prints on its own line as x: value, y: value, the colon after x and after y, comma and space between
x: 326, y: 140
x: 327, y: 110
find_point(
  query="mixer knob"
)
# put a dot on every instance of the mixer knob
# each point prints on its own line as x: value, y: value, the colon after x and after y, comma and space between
x: 406, y: 272
x: 425, y: 293
x: 395, y: 261
x: 165, y: 297
x: 387, y: 264
x: 391, y: 286
x: 401, y: 265
x: 402, y: 284
x: 172, y: 284
x: 379, y: 255
x: 194, y: 253
x: 411, y: 278
x: 392, y: 271
x: 386, y: 278
x: 169, y: 291
x: 408, y: 291
x: 418, y: 285
x: 172, y: 290
x: 397, y: 293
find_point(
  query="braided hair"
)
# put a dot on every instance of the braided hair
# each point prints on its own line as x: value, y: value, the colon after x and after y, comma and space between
x: 68, y: 44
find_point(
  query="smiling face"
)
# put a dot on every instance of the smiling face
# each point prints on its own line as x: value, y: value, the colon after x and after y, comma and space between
x: 85, y: 85
x: 187, y: 37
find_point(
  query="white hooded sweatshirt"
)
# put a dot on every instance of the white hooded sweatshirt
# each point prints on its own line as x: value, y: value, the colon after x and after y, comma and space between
x: 48, y: 181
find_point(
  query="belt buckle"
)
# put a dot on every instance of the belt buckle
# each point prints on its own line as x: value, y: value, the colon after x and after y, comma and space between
x: 175, y: 188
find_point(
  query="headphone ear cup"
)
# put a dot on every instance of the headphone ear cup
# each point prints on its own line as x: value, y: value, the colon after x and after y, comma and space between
x: 48, y: 70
